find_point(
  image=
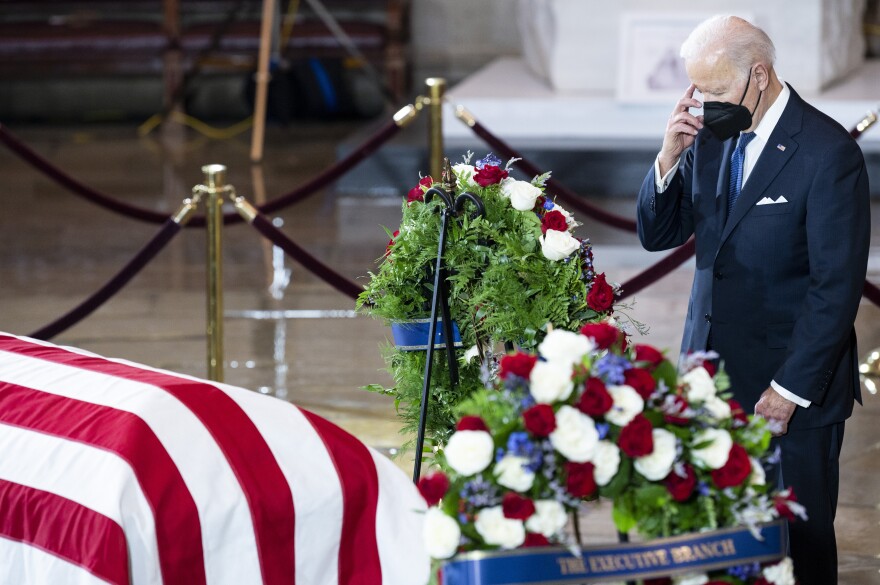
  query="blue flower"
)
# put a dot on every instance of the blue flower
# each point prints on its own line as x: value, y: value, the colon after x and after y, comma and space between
x: 602, y: 429
x: 519, y: 444
x: 610, y: 368
x: 527, y: 401
x: 490, y: 159
x: 745, y: 572
x: 548, y: 205
x: 703, y: 488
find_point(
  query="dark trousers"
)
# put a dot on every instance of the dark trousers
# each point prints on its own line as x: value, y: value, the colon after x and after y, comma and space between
x: 810, y: 466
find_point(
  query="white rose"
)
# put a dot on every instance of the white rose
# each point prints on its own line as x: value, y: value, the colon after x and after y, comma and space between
x: 781, y: 573
x: 522, y: 194
x: 556, y: 245
x: 441, y: 534
x: 465, y: 174
x: 627, y: 404
x: 691, y: 579
x: 550, y: 382
x: 469, y: 452
x: 549, y: 518
x: 658, y: 463
x: 575, y: 436
x: 714, y: 455
x: 606, y: 460
x: 718, y: 408
x: 565, y: 346
x: 496, y: 529
x: 700, y: 385
x: 758, y: 476
x: 512, y: 473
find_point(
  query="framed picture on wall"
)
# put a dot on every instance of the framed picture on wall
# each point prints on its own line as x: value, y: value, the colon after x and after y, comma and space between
x: 650, y: 70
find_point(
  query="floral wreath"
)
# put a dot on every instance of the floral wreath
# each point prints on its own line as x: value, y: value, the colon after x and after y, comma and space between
x: 511, y: 271
x: 591, y: 417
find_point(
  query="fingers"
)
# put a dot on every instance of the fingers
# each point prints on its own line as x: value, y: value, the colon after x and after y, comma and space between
x: 687, y: 101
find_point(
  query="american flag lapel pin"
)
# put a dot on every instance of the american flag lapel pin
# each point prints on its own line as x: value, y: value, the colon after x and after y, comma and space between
x: 781, y: 147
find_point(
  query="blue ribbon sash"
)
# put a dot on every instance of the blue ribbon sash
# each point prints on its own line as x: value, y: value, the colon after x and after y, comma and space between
x: 661, y: 557
x: 412, y: 335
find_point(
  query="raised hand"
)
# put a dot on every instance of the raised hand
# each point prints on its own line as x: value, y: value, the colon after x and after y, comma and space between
x: 681, y: 130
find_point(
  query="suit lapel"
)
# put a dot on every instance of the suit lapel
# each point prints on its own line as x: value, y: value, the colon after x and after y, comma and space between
x: 776, y: 154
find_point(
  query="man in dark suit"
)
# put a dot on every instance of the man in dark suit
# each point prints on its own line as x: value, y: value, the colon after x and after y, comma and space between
x: 776, y: 195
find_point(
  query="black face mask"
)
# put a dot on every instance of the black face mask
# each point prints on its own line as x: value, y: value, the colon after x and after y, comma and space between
x: 726, y: 120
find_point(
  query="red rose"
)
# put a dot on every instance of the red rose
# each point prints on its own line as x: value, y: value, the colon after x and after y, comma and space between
x: 762, y: 581
x: 417, y: 193
x: 433, y: 487
x: 679, y: 406
x: 658, y: 581
x: 579, y: 479
x: 681, y: 488
x: 595, y: 401
x: 540, y: 420
x: 517, y: 507
x: 736, y: 411
x: 391, y: 242
x: 517, y: 364
x: 601, y: 295
x: 710, y: 367
x: 641, y: 381
x: 602, y: 334
x: 646, y: 353
x: 534, y: 539
x: 553, y: 220
x: 623, y: 342
x: 636, y: 438
x: 489, y: 175
x: 735, y: 471
x: 471, y: 423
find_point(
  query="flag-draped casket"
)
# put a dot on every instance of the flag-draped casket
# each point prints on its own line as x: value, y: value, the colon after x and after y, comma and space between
x: 114, y: 472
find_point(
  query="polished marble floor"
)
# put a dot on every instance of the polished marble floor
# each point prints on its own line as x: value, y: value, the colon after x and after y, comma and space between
x: 57, y: 249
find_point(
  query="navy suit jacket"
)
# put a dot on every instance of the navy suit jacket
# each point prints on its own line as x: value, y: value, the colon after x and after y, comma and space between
x: 777, y: 286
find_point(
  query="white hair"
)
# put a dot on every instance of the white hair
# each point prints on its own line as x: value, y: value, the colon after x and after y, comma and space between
x: 738, y: 40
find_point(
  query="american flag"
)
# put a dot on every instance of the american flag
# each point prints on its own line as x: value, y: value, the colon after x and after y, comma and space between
x: 115, y: 472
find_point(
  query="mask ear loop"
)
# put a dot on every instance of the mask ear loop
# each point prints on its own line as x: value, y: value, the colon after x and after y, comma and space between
x: 760, y: 94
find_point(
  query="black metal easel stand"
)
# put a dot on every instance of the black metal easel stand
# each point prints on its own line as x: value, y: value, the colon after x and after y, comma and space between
x: 440, y: 302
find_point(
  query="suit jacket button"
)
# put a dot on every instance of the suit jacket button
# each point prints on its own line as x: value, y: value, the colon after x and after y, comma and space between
x: 719, y: 276
x: 708, y: 317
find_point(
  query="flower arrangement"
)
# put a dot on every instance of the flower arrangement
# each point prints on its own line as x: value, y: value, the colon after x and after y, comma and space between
x: 510, y: 272
x: 587, y: 417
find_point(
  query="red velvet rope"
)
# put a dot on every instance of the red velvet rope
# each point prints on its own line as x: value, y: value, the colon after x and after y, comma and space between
x: 332, y: 173
x: 563, y: 192
x: 654, y: 273
x: 308, y: 261
x: 113, y: 286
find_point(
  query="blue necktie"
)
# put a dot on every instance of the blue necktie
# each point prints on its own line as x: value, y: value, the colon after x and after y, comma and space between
x: 736, y: 169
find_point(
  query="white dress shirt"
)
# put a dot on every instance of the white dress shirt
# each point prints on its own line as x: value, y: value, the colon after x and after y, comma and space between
x: 753, y: 151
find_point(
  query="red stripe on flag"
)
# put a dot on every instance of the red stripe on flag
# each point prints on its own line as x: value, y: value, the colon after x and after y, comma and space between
x: 178, y: 531
x: 264, y: 485
x: 358, y: 550
x: 37, y: 518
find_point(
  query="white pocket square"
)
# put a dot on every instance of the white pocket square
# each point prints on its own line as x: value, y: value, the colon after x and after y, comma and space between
x: 768, y: 201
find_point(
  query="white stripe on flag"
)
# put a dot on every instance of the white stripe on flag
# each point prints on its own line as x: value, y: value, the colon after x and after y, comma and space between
x: 399, y: 517
x: 21, y: 563
x: 94, y: 478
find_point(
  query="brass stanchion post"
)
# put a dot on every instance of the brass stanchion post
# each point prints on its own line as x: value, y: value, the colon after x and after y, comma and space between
x: 214, y: 188
x: 436, y: 93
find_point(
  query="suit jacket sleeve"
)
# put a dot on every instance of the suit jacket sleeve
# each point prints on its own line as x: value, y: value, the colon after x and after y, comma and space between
x: 838, y: 233
x: 665, y: 220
